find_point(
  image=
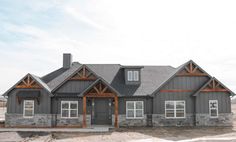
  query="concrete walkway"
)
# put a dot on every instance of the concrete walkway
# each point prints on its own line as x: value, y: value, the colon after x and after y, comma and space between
x: 92, y: 129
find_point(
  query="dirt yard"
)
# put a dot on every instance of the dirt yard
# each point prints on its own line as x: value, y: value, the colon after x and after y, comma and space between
x: 166, y: 134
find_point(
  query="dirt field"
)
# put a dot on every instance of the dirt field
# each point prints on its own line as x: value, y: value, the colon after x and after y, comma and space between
x: 217, y: 134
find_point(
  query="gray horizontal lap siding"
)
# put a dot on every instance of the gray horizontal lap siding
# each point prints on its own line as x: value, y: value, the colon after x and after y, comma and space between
x: 42, y: 108
x: 202, y: 102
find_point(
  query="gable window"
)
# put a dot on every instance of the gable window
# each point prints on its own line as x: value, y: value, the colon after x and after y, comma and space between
x: 133, y: 75
x: 213, y: 108
x: 69, y: 109
x: 134, y: 109
x: 175, y: 109
x: 28, y: 111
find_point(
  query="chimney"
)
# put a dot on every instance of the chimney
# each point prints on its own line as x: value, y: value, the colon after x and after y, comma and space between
x: 67, y: 60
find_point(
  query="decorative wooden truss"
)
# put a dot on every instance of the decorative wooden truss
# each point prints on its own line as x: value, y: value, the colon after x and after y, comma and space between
x: 83, y: 74
x: 191, y: 70
x: 214, y: 86
x: 28, y: 82
x: 100, y: 90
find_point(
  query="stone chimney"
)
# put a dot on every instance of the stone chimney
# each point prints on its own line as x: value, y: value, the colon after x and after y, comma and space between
x: 67, y: 60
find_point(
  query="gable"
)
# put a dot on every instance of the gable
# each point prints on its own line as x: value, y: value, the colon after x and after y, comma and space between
x: 188, y: 75
x: 84, y: 74
x: 28, y: 82
x: 75, y: 73
x: 191, y: 69
x: 214, y: 86
x: 100, y: 88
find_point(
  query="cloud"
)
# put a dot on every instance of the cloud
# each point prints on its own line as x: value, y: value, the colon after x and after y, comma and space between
x: 34, y: 34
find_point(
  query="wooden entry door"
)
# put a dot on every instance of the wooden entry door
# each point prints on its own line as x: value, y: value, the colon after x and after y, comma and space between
x: 102, y: 111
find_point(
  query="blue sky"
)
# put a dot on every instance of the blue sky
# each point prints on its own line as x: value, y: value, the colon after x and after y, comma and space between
x: 34, y: 34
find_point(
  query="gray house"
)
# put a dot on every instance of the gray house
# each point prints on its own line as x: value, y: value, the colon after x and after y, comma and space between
x: 81, y: 95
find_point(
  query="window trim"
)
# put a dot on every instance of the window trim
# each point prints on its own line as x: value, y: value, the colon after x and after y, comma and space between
x: 217, y: 110
x: 28, y: 109
x: 69, y: 109
x: 175, y: 109
x: 137, y: 75
x: 134, y: 110
x: 131, y: 75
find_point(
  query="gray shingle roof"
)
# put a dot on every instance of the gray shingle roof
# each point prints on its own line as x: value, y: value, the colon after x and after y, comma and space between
x: 151, y: 78
x: 61, y: 78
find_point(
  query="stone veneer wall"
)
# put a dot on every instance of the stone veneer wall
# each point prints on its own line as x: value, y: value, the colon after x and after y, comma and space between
x: 160, y: 120
x: 77, y: 122
x: 224, y: 119
x: 123, y: 122
x: 17, y: 120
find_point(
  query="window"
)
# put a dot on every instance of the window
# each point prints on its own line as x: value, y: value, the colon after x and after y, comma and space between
x: 28, y: 111
x: 175, y: 109
x: 69, y: 109
x: 133, y: 75
x: 213, y: 108
x: 134, y: 109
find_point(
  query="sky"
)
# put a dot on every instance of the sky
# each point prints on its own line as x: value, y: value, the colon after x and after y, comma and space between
x: 35, y: 34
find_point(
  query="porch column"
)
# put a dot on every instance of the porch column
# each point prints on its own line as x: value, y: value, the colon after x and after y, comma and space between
x: 84, y: 111
x: 116, y: 111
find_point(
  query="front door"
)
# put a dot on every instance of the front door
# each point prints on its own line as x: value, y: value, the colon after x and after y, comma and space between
x: 102, y: 111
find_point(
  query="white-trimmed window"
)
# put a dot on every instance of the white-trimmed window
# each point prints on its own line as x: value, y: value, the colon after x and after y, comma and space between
x: 28, y: 111
x: 134, y: 109
x: 213, y: 108
x: 175, y: 109
x: 69, y: 109
x: 133, y: 75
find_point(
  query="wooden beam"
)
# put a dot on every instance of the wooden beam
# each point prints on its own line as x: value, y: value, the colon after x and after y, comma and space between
x: 84, y: 76
x: 116, y: 112
x: 214, y: 90
x: 28, y: 87
x: 192, y: 74
x: 175, y: 90
x: 104, y: 89
x: 96, y: 89
x: 191, y: 67
x: 84, y: 111
x: 195, y: 69
x: 106, y: 95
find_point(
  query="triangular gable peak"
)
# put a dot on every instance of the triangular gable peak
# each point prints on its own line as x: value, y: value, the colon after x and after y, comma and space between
x: 28, y: 82
x: 84, y: 74
x: 100, y: 89
x: 214, y: 86
x: 191, y: 69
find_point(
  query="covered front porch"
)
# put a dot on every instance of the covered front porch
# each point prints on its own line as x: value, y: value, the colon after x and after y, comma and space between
x: 101, y: 100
